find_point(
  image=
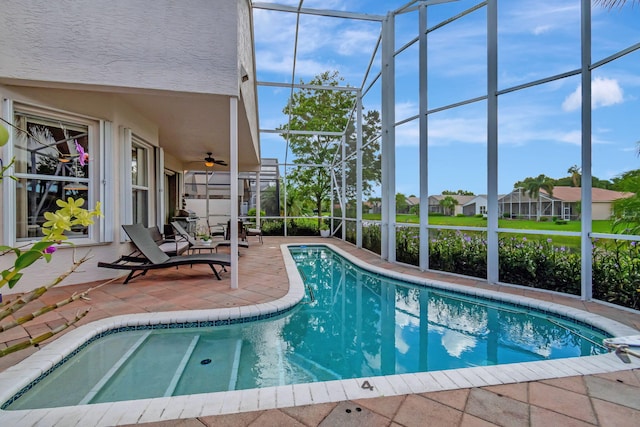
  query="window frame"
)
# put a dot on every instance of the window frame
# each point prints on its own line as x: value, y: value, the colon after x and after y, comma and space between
x: 98, y: 130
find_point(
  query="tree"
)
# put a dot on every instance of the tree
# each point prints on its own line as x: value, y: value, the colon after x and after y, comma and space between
x: 534, y: 186
x: 627, y: 211
x: 371, y: 159
x: 316, y: 110
x: 575, y: 172
x: 297, y: 204
x: 610, y: 4
x: 448, y: 204
x: 458, y: 193
x: 269, y: 200
x: 401, y: 203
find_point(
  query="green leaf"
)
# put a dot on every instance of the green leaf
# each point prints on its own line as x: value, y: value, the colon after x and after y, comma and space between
x: 40, y: 246
x: 15, y: 279
x: 27, y: 258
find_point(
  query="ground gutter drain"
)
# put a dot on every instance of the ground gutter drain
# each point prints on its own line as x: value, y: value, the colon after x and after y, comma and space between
x: 205, y: 361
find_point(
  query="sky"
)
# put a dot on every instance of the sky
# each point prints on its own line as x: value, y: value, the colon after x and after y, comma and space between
x: 539, y: 130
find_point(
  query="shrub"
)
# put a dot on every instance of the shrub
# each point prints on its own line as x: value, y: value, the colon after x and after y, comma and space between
x: 371, y: 237
x: 252, y: 213
x: 561, y: 222
x: 544, y: 219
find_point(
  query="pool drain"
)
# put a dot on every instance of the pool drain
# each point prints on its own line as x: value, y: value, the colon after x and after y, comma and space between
x: 205, y: 361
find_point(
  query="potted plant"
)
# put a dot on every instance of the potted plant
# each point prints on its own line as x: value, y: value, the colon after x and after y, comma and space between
x: 324, y: 230
x: 205, y: 239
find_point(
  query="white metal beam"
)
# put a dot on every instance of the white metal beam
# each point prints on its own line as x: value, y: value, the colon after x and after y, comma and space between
x: 233, y: 163
x: 321, y: 12
x: 492, y: 142
x: 388, y: 226
x: 423, y: 142
x: 586, y: 278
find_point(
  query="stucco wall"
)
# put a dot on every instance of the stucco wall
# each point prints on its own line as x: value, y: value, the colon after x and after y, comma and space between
x: 601, y: 210
x: 245, y: 58
x: 123, y: 43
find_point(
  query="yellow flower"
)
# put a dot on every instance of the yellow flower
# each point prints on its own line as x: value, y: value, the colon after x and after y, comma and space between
x: 53, y: 235
x: 57, y: 220
x: 97, y: 211
x: 71, y: 207
x: 83, y: 217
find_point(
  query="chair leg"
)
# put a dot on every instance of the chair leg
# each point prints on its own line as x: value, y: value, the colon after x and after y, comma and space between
x: 215, y: 271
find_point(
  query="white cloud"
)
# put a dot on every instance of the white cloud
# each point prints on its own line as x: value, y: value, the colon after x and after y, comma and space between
x: 604, y: 92
x: 541, y: 29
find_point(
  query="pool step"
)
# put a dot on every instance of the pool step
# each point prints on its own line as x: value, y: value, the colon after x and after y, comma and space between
x: 114, y: 369
x: 181, y: 367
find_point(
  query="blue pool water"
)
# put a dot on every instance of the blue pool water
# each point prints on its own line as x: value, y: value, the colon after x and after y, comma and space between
x: 351, y: 324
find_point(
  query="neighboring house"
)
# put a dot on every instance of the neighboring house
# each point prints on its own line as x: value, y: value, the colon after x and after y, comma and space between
x: 563, y: 203
x: 476, y: 206
x: 412, y: 201
x: 436, y: 207
x: 146, y: 87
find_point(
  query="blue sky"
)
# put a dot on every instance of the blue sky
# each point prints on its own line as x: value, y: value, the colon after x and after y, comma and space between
x: 539, y: 128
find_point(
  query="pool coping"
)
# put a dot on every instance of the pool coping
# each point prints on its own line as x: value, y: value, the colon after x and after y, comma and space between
x: 20, y: 375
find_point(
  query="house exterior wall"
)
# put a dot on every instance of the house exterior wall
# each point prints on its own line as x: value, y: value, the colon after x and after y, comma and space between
x: 96, y: 105
x: 90, y: 58
x: 146, y: 44
x: 248, y: 95
x: 601, y: 211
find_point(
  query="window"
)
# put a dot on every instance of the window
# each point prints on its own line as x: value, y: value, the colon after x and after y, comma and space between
x: 54, y: 160
x: 140, y: 182
x: 483, y: 210
x: 137, y: 201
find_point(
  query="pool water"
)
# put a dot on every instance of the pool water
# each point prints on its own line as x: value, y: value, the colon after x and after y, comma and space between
x: 351, y: 324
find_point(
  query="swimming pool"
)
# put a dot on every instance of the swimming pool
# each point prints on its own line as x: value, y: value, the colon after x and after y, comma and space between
x: 404, y: 303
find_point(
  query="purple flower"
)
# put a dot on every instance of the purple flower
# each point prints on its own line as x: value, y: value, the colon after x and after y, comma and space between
x: 524, y: 239
x: 51, y: 249
x: 633, y: 243
x: 82, y: 156
x: 562, y: 248
x: 549, y: 240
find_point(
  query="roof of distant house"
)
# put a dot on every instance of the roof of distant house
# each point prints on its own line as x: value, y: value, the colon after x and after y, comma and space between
x: 598, y: 195
x: 460, y: 198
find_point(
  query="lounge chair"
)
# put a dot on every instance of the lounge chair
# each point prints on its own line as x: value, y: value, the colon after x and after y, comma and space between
x: 154, y: 258
x: 196, y: 246
x: 168, y: 246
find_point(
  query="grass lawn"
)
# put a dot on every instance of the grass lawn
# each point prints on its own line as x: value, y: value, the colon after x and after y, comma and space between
x: 599, y: 226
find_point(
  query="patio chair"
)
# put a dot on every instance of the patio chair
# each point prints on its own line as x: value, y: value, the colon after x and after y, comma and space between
x: 254, y: 232
x: 242, y: 232
x: 154, y: 258
x: 195, y: 246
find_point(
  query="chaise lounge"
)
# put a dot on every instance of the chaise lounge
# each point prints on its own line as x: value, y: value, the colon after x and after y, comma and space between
x: 154, y: 258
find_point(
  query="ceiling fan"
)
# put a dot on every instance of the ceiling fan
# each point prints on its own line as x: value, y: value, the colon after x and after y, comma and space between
x: 210, y: 161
